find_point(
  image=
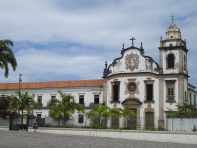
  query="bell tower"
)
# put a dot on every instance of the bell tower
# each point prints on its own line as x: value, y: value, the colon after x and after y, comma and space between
x: 173, y: 82
x: 173, y: 51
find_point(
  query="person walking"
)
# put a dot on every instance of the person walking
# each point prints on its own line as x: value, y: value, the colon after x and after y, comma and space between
x: 35, y: 125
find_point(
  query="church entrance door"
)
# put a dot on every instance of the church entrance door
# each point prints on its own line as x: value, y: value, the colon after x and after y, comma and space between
x: 132, y: 120
x: 133, y: 105
x: 115, y: 122
x: 149, y: 120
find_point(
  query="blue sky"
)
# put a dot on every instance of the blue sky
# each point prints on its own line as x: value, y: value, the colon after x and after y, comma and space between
x: 71, y: 39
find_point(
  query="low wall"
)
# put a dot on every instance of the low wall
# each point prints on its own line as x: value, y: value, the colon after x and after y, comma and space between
x: 181, y: 124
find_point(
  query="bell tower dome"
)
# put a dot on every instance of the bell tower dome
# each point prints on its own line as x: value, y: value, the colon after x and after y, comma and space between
x: 173, y: 31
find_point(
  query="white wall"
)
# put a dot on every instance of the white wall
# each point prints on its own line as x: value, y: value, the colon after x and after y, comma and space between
x: 181, y: 124
x: 46, y: 97
x: 140, y: 94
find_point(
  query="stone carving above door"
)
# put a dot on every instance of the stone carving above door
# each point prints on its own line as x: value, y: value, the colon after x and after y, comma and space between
x: 132, y: 61
x: 131, y: 87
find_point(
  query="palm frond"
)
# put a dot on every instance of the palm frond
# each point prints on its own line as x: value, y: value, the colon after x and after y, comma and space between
x: 7, y: 56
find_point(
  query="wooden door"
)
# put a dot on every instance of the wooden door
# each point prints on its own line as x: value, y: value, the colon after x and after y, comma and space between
x: 149, y: 120
x: 132, y: 121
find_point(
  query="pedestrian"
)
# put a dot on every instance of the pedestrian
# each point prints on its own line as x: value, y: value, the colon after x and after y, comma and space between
x: 35, y: 125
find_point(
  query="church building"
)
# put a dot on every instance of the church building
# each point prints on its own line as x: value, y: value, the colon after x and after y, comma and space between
x: 149, y: 88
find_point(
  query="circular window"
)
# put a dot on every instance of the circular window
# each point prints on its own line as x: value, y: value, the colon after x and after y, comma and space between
x: 131, y: 86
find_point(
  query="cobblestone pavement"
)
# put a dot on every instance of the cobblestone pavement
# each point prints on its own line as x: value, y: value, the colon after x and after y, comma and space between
x: 20, y: 139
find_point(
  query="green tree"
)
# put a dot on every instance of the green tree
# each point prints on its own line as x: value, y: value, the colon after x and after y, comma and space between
x: 38, y: 105
x: 63, y: 108
x: 115, y: 112
x: 14, y: 104
x: 55, y: 113
x: 26, y: 103
x: 4, y: 106
x: 8, y: 104
x: 98, y: 116
x: 127, y: 113
x: 183, y: 111
x: 7, y: 56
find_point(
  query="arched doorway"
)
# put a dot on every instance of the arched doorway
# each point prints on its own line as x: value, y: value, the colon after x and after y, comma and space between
x: 133, y: 105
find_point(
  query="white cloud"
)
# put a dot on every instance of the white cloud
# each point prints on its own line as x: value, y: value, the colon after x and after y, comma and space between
x: 36, y: 65
x: 101, y: 23
x: 108, y: 25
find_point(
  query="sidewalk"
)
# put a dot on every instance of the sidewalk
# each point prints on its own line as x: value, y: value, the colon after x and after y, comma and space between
x: 155, y: 136
x: 125, y: 134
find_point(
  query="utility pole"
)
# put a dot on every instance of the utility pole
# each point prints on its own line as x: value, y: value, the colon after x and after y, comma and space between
x: 22, y: 104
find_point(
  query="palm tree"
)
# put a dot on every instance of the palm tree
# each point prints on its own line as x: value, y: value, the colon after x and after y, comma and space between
x: 98, y: 116
x: 13, y: 109
x: 55, y: 113
x: 7, y: 56
x: 27, y: 104
x: 64, y: 108
x: 18, y: 106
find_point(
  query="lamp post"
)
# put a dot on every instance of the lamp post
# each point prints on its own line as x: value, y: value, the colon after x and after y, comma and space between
x: 20, y: 83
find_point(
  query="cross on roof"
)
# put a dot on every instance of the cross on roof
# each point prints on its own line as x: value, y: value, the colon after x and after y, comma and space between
x: 123, y: 46
x: 132, y: 39
x: 172, y: 19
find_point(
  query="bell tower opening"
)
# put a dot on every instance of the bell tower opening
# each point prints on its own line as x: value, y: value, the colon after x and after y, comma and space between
x: 170, y: 61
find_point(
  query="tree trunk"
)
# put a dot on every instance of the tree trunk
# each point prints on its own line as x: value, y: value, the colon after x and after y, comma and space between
x: 64, y: 120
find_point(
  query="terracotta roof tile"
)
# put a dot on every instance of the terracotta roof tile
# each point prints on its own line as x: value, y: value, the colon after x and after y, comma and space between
x: 53, y: 84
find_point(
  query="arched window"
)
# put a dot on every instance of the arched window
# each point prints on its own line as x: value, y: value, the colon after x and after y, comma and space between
x: 185, y: 64
x: 170, y: 60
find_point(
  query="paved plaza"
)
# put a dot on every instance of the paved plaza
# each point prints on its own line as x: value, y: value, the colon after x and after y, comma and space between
x: 20, y: 139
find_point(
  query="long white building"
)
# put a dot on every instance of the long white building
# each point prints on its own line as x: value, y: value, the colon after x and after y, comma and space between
x: 133, y: 80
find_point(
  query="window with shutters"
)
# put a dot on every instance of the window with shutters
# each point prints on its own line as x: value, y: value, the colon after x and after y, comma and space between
x: 96, y: 99
x: 149, y: 90
x: 170, y: 89
x: 80, y: 118
x: 115, y: 91
x: 81, y: 99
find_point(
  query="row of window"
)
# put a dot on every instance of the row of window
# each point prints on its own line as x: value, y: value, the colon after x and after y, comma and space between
x: 149, y: 91
x: 81, y: 99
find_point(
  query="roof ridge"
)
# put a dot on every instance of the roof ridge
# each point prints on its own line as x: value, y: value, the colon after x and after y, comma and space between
x: 51, y: 81
x: 53, y: 84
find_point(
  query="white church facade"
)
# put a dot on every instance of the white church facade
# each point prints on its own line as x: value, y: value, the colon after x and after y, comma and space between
x: 133, y: 80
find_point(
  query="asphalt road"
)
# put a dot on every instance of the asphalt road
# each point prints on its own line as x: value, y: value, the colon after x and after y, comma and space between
x: 20, y: 139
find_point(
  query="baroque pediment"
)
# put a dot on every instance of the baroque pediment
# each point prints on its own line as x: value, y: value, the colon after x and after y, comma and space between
x: 131, y: 61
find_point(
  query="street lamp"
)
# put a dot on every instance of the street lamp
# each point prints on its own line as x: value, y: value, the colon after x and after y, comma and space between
x: 20, y: 84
